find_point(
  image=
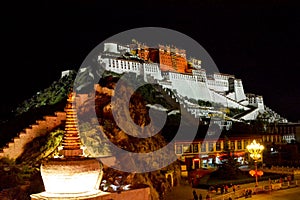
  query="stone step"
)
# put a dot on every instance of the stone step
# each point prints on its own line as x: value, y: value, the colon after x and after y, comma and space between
x: 40, y: 121
x: 22, y: 134
x: 5, y: 149
x: 27, y: 134
x: 10, y: 144
x: 33, y: 126
x: 60, y: 114
x: 27, y: 130
x: 17, y: 140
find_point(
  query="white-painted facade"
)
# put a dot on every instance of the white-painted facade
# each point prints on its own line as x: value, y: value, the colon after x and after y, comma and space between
x: 219, y: 88
x: 115, y: 48
x: 121, y: 66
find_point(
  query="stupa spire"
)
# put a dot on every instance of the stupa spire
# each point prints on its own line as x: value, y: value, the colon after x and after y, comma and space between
x: 72, y: 176
x: 71, y: 142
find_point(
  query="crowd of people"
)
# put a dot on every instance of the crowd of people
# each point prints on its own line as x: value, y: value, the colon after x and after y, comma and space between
x: 199, y: 197
x: 223, y: 190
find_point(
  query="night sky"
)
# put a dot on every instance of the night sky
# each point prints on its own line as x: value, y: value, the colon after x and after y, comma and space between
x: 257, y: 42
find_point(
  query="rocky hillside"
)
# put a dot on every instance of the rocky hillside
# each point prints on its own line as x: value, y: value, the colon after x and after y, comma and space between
x: 139, y: 112
x: 54, y: 97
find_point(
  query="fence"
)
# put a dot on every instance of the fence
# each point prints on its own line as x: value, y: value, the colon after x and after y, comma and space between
x: 283, y: 170
x: 264, y: 186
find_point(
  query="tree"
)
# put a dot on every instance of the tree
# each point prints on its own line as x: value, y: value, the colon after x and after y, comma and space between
x: 229, y: 169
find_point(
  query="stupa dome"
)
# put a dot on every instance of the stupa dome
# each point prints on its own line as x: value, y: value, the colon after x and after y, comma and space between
x: 70, y: 176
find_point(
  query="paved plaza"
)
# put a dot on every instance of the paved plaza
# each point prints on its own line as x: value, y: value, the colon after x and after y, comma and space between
x: 185, y: 192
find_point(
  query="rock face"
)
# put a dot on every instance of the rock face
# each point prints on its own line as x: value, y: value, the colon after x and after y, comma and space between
x: 104, y: 123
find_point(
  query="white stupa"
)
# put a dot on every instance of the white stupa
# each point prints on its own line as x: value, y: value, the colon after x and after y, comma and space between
x: 72, y: 175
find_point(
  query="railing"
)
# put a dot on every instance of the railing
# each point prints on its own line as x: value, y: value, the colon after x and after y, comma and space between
x: 264, y: 186
x: 283, y: 170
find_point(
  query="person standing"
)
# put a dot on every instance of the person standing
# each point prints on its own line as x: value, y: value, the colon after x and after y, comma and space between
x: 250, y: 192
x: 207, y: 197
x: 246, y: 193
x: 195, y: 195
x: 222, y: 189
x: 200, y: 196
x: 226, y: 188
x: 233, y: 189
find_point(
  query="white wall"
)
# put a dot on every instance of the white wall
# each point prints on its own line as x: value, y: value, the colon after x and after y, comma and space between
x: 239, y: 90
x: 187, y: 85
x: 152, y: 69
x: 120, y: 66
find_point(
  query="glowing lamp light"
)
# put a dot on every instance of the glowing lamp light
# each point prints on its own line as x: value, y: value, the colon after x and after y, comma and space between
x: 255, y: 149
x: 252, y: 172
x: 260, y: 173
x: 256, y: 173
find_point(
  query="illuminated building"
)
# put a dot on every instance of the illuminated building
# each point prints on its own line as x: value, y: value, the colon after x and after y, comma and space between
x: 71, y: 175
x: 169, y: 67
x: 212, y: 152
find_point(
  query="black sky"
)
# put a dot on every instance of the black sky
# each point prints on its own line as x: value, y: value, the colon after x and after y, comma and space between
x: 257, y: 42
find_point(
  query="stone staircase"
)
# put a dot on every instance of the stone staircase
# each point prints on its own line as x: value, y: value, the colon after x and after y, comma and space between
x: 15, y: 148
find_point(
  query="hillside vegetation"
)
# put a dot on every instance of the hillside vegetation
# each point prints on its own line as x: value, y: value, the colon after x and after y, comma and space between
x: 45, y: 102
x: 53, y: 99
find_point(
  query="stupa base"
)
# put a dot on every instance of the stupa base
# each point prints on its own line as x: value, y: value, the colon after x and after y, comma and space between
x: 91, y: 195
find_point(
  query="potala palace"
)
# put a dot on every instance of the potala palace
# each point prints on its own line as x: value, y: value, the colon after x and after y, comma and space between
x: 170, y: 68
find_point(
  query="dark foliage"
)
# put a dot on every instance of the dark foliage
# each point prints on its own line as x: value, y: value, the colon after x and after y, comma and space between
x: 46, y: 102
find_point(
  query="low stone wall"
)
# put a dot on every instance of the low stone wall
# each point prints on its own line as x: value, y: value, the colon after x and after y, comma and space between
x: 283, y: 170
x: 276, y: 186
x: 134, y: 194
x: 142, y: 193
x: 262, y: 188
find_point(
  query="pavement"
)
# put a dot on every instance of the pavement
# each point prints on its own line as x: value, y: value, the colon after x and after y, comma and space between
x: 185, y: 192
x: 283, y: 194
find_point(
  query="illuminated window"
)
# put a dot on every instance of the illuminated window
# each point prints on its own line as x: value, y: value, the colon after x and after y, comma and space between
x: 232, y: 145
x: 178, y: 149
x: 218, y: 146
x: 195, y: 148
x: 187, y: 149
x: 226, y: 145
x: 211, y: 146
x: 239, y: 144
x: 203, y: 147
x: 245, y: 144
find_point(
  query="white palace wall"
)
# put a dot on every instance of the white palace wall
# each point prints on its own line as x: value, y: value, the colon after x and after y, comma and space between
x: 153, y: 70
x: 121, y: 66
x: 239, y: 90
x: 187, y: 85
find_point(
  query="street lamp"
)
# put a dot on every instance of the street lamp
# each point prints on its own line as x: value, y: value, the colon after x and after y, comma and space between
x: 255, y: 150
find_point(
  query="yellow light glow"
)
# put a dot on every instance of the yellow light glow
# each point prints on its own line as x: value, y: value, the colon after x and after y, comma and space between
x: 255, y: 149
x: 73, y: 177
x: 75, y: 183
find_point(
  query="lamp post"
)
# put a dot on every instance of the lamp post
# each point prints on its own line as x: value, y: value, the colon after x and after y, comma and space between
x: 255, y: 150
